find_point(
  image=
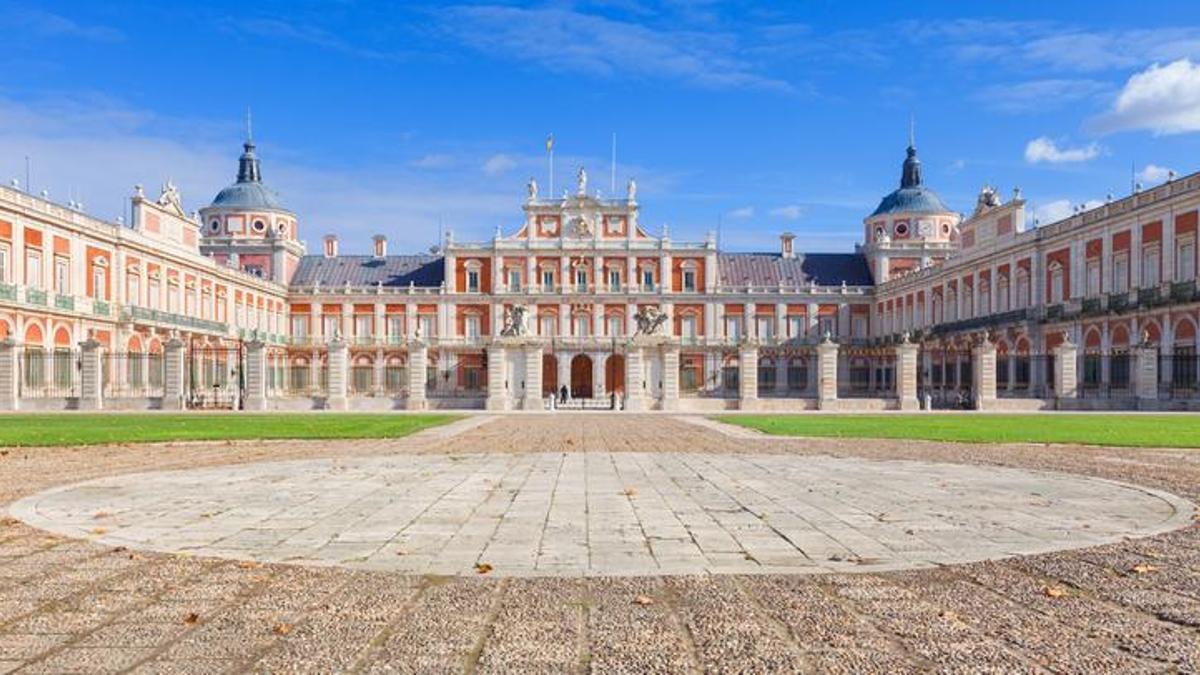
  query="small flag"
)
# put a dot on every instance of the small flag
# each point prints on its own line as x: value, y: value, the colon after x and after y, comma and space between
x: 550, y: 143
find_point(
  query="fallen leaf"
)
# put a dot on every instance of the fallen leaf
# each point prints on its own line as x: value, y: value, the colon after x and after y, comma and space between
x: 1143, y: 568
x: 643, y: 600
x: 629, y: 492
x: 283, y: 628
x: 99, y: 530
x: 1054, y: 591
x: 100, y: 514
x: 191, y: 618
x: 483, y: 568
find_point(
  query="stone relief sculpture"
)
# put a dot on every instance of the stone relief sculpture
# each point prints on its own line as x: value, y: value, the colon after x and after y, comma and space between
x: 649, y: 320
x: 516, y: 321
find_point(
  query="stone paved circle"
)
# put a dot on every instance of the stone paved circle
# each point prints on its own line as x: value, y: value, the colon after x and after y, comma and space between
x: 605, y: 514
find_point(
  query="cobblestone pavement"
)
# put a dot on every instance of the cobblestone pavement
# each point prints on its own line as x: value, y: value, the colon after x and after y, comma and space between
x: 80, y: 605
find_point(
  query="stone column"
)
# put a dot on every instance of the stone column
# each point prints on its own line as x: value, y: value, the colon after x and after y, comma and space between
x: 827, y: 374
x: 983, y: 374
x: 418, y: 357
x: 747, y: 376
x: 91, y: 384
x: 599, y: 386
x: 1146, y: 372
x: 670, y: 357
x: 497, y: 374
x: 533, y: 378
x: 174, y: 375
x: 564, y: 372
x: 10, y: 372
x: 906, y: 375
x: 1066, y: 374
x: 256, y: 376
x: 337, y: 361
x: 635, y: 392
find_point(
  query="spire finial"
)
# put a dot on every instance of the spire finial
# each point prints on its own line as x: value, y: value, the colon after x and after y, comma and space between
x: 249, y: 126
x: 912, y: 130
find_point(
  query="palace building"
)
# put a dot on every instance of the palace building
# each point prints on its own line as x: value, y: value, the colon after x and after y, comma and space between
x: 579, y: 306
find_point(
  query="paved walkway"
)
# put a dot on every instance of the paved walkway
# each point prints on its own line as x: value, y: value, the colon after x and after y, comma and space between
x: 83, y: 606
x: 604, y: 514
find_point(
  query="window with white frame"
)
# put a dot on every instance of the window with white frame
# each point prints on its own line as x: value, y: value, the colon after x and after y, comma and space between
x: 99, y: 283
x: 689, y: 281
x: 547, y: 325
x: 190, y: 301
x: 1150, y: 257
x: 473, y: 281
x: 985, y: 297
x: 951, y: 306
x: 133, y: 289
x: 514, y: 279
x: 615, y: 325
x: 153, y: 293
x: 1057, y: 278
x: 363, y: 326
x: 428, y: 323
x: 1093, y: 277
x: 62, y: 275
x: 581, y: 280
x: 647, y: 279
x: 206, y: 304
x: 33, y: 268
x: 766, y: 327
x: 331, y: 325
x: 299, y: 326
x: 1002, y: 294
x: 4, y: 265
x: 1120, y: 280
x: 471, y: 326
x: 795, y: 325
x: 733, y: 327
x: 1021, y: 299
x: 1185, y: 259
x: 548, y: 280
x: 614, y: 279
x: 826, y: 325
x: 859, y: 326
x: 395, y: 326
x: 582, y: 325
x: 687, y: 326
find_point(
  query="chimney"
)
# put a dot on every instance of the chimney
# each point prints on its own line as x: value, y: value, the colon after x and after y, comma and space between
x: 785, y: 245
x: 331, y: 246
x: 380, y: 245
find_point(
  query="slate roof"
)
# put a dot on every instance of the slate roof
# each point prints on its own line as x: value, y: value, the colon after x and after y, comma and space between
x: 366, y: 270
x: 770, y: 269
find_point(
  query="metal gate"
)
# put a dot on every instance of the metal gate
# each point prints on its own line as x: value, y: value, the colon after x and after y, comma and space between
x: 215, y: 377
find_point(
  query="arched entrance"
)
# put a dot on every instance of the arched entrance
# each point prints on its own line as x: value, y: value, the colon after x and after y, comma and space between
x: 549, y: 375
x: 614, y: 373
x: 581, y: 376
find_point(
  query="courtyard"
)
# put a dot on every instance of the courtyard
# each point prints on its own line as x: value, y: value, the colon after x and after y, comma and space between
x: 597, y: 543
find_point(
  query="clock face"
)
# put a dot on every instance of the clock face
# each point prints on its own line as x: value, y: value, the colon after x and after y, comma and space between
x: 925, y: 228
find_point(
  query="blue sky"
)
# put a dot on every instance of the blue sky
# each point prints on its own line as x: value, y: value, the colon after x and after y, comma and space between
x: 392, y: 118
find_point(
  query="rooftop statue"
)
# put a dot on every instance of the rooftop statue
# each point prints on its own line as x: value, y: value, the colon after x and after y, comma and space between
x: 581, y: 189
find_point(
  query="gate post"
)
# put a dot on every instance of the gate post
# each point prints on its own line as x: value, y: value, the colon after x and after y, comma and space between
x: 497, y: 373
x: 256, y: 376
x: 906, y: 375
x: 827, y: 373
x: 983, y: 373
x: 747, y: 376
x: 533, y: 378
x: 173, y: 374
x: 670, y: 358
x: 1146, y: 362
x: 418, y: 356
x: 635, y: 386
x: 1066, y: 375
x: 91, y: 383
x: 336, y: 396
x: 10, y: 373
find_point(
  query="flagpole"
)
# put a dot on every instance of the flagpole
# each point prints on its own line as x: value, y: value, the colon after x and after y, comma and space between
x: 613, y: 188
x: 550, y: 151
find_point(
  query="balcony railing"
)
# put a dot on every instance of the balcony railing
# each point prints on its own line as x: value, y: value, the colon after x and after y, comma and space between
x: 65, y: 302
x: 8, y: 292
x: 101, y: 308
x: 1149, y: 297
x: 34, y: 296
x: 135, y: 313
x: 1183, y: 291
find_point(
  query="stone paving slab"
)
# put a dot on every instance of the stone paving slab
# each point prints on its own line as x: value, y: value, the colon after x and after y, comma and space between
x: 605, y: 514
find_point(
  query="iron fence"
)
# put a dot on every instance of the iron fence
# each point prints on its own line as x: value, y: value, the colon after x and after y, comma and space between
x: 215, y: 377
x: 132, y: 374
x: 48, y: 374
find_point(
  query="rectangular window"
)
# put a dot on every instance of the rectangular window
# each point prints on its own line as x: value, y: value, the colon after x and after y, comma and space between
x: 733, y: 327
x: 514, y: 280
x: 62, y: 276
x: 581, y: 280
x: 615, y: 326
x: 766, y: 327
x: 826, y: 326
x: 1093, y: 278
x: 582, y: 326
x: 859, y: 326
x: 647, y: 280
x: 99, y: 284
x: 795, y: 326
x: 547, y: 325
x: 33, y: 269
x: 133, y: 290
x: 614, y: 280
x: 689, y: 281
x: 471, y: 327
x: 395, y: 327
x: 362, y: 326
x: 1185, y: 260
x: 4, y: 264
x: 687, y: 327
x: 331, y: 325
x: 1120, y: 280
x: 472, y: 281
x: 548, y: 281
x: 428, y: 324
x: 1150, y: 267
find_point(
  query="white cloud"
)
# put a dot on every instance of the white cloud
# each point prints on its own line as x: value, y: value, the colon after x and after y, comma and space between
x: 49, y: 25
x: 789, y: 212
x: 498, y: 164
x: 1044, y: 149
x: 1060, y: 209
x: 744, y: 213
x: 1161, y: 99
x: 433, y: 161
x: 1038, y: 95
x: 567, y: 40
x: 1152, y: 173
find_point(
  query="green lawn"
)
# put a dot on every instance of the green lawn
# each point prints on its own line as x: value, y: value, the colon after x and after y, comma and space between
x: 1167, y: 431
x: 92, y: 429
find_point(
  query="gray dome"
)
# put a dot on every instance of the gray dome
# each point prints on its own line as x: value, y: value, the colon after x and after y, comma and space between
x: 247, y: 196
x: 912, y: 196
x: 248, y: 192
